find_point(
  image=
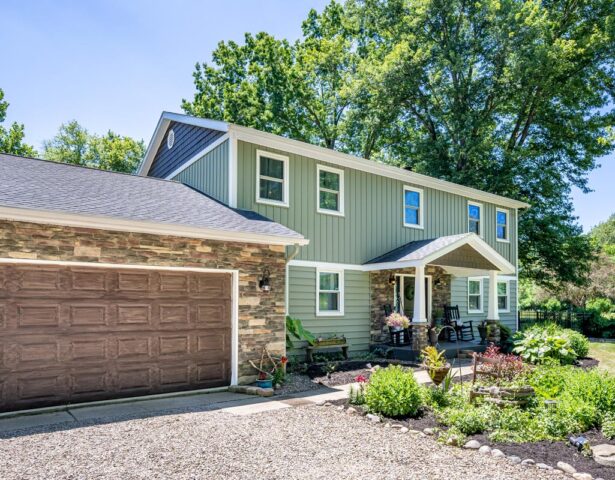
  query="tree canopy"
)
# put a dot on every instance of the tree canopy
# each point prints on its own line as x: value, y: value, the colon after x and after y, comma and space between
x: 11, y: 139
x: 508, y: 96
x: 74, y: 144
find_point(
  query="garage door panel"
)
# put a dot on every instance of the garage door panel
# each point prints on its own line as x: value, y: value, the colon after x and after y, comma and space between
x: 71, y: 334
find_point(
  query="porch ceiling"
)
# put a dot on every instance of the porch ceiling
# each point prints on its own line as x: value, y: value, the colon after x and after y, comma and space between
x: 464, y: 251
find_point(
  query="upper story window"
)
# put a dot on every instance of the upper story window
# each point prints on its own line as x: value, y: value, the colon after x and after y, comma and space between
x: 475, y: 218
x: 330, y: 292
x: 271, y: 178
x: 330, y: 190
x: 501, y: 225
x: 475, y: 295
x: 413, y: 207
x: 503, y: 297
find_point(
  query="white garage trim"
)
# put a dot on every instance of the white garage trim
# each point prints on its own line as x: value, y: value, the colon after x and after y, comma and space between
x: 234, y: 290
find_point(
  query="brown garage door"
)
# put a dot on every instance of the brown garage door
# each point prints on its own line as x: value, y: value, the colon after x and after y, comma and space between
x: 72, y: 334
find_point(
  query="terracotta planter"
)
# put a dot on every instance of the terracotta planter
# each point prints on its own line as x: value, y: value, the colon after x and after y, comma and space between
x: 437, y: 375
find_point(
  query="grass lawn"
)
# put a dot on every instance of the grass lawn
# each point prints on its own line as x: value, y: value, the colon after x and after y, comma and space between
x: 605, y: 352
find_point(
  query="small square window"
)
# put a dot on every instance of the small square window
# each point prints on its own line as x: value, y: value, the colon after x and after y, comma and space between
x: 413, y: 207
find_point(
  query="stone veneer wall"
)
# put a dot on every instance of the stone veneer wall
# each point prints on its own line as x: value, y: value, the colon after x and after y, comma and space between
x: 383, y: 293
x: 261, y: 315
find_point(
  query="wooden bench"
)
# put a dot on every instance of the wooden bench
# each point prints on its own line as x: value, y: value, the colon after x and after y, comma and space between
x: 309, y: 350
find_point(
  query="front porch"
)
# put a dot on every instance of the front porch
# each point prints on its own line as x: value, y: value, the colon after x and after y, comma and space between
x: 452, y: 349
x: 415, y: 280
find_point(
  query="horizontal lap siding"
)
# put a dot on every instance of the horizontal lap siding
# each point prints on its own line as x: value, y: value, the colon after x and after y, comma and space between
x: 355, y: 323
x: 209, y: 174
x: 373, y: 222
x: 459, y: 296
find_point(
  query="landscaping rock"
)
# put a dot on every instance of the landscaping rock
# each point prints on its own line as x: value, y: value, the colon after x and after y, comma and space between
x: 486, y: 449
x: 528, y: 462
x: 497, y: 453
x: 472, y: 445
x: 341, y: 407
x: 557, y: 471
x: 544, y: 466
x: 387, y: 425
x: 604, y: 454
x: 514, y: 459
x: 566, y: 468
x: 415, y: 432
x: 328, y: 404
x: 373, y: 418
x: 582, y: 476
x: 351, y: 411
x: 403, y: 430
x: 429, y: 431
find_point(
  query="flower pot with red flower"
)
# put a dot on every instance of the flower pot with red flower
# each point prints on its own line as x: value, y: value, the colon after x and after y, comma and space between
x: 264, y: 380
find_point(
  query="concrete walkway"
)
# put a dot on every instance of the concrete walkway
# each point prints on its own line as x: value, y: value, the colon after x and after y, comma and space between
x: 232, y: 403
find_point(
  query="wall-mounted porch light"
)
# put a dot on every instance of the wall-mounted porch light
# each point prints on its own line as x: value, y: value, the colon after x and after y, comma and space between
x: 263, y: 283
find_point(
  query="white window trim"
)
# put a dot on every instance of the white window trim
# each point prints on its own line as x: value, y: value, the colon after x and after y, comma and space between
x: 507, y: 212
x: 507, y: 309
x: 330, y: 313
x: 285, y: 180
x: 408, y: 188
x: 481, y: 222
x: 482, y: 306
x: 319, y: 209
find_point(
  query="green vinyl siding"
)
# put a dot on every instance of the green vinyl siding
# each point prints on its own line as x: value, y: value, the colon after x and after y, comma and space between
x: 459, y: 296
x: 354, y: 324
x: 373, y: 213
x: 209, y: 174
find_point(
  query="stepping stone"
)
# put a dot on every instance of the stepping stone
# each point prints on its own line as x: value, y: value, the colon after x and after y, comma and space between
x: 604, y: 454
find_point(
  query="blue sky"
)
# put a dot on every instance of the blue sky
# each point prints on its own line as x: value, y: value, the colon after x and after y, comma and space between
x: 117, y: 64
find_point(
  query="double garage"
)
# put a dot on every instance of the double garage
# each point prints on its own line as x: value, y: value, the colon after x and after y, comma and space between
x: 77, y: 333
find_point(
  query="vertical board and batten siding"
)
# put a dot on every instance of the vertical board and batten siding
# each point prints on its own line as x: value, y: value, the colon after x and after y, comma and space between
x: 189, y: 140
x: 373, y: 220
x: 354, y: 325
x: 459, y: 296
x: 209, y: 174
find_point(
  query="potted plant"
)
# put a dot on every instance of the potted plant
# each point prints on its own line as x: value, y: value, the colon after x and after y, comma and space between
x: 398, y: 326
x: 435, y: 363
x: 264, y: 380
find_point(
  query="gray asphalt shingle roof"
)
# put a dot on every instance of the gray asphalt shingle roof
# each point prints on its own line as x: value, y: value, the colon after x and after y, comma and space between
x: 43, y: 185
x: 418, y: 250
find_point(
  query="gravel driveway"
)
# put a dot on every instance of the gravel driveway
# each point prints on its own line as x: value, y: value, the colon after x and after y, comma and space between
x: 309, y: 442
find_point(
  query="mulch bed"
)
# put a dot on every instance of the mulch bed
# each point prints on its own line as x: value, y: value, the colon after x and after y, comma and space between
x: 587, y: 363
x: 553, y: 452
x: 347, y: 371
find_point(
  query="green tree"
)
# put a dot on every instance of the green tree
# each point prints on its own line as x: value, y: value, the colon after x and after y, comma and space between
x: 11, y: 139
x: 74, y: 144
x: 512, y: 97
x: 603, y: 235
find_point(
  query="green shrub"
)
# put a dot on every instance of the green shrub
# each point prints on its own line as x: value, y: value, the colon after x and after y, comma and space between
x: 570, y: 415
x: 600, y: 305
x: 578, y: 342
x: 468, y: 420
x: 394, y: 392
x: 608, y: 425
x: 542, y: 343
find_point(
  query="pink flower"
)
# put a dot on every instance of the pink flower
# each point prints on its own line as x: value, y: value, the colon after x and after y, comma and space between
x: 361, y: 379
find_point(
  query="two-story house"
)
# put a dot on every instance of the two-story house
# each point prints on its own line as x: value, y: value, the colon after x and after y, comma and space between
x: 378, y: 235
x: 118, y: 285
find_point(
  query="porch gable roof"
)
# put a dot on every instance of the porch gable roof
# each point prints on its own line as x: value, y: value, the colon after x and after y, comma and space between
x: 465, y: 250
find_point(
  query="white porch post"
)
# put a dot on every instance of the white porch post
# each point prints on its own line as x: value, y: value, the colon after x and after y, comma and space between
x: 419, y: 314
x: 493, y: 316
x: 492, y: 311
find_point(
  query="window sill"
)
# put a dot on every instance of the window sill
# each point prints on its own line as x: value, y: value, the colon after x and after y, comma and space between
x: 475, y: 311
x: 501, y: 240
x: 330, y: 314
x: 416, y: 227
x: 273, y: 203
x: 330, y: 212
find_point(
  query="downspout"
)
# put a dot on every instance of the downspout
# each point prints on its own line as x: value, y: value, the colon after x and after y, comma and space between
x: 289, y: 258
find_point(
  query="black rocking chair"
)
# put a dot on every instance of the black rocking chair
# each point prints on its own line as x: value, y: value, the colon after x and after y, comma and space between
x: 452, y: 319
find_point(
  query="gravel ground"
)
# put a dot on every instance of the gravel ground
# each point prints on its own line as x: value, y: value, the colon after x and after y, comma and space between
x: 297, y: 382
x: 294, y: 443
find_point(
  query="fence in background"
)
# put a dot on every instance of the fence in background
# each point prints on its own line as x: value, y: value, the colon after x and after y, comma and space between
x: 576, y: 320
